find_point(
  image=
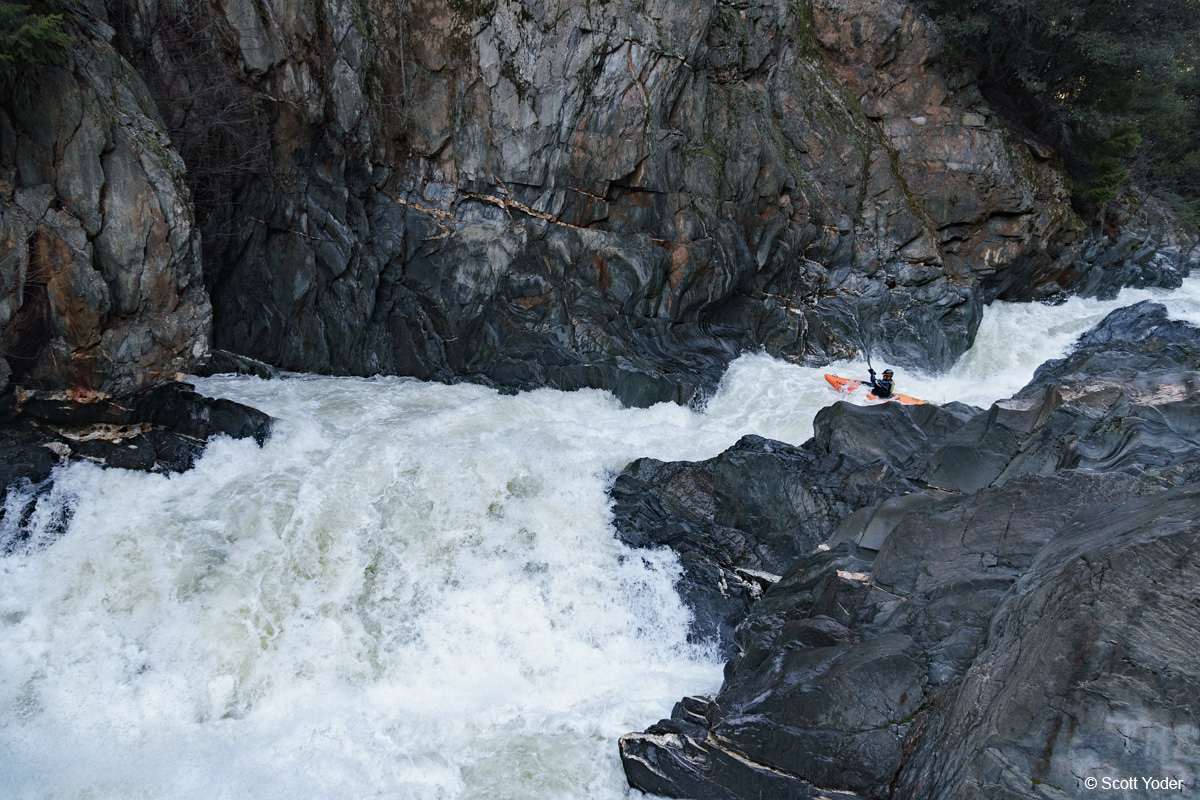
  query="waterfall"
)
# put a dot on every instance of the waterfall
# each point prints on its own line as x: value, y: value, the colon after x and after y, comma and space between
x: 411, y: 591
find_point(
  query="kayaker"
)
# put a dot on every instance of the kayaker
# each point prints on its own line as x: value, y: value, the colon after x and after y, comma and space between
x: 882, y: 388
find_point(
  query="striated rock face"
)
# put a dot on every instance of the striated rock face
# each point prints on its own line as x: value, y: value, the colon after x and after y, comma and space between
x: 1010, y: 615
x: 101, y: 289
x: 1089, y: 669
x: 621, y: 194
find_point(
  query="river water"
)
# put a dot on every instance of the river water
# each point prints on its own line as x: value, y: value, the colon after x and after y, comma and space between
x: 412, y: 591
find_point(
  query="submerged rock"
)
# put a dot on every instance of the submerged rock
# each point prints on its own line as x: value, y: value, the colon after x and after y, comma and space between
x: 1012, y: 617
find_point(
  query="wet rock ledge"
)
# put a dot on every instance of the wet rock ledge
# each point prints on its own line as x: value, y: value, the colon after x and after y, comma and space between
x: 163, y: 430
x: 966, y: 603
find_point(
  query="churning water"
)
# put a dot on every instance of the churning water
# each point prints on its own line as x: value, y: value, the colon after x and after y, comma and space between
x: 412, y: 591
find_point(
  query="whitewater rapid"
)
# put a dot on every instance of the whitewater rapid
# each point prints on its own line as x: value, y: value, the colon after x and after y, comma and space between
x: 411, y: 591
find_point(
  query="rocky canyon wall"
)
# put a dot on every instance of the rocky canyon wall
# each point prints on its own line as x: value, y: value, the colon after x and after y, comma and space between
x: 524, y: 193
x: 621, y: 194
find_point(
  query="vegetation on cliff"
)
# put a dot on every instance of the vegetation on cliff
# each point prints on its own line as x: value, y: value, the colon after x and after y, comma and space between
x: 1111, y: 86
x: 30, y: 35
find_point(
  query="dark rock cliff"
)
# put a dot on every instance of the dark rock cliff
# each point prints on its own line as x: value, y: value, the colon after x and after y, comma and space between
x: 620, y: 194
x: 984, y: 603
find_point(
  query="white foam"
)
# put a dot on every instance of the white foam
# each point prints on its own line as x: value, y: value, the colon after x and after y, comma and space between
x: 412, y: 591
x: 774, y: 398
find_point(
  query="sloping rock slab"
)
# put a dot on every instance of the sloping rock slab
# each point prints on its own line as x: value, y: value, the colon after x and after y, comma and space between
x: 844, y: 665
x: 1091, y: 668
x: 739, y: 519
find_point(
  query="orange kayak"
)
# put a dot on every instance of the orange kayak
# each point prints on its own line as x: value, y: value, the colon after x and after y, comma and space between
x: 848, y: 385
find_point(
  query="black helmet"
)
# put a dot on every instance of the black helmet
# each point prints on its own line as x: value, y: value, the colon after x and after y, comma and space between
x: 887, y: 373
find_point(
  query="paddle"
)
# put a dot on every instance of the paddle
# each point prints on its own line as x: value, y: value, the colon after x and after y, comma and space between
x: 863, y: 341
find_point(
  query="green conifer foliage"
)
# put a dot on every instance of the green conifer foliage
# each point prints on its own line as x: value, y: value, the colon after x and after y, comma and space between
x: 1111, y: 84
x: 30, y: 34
